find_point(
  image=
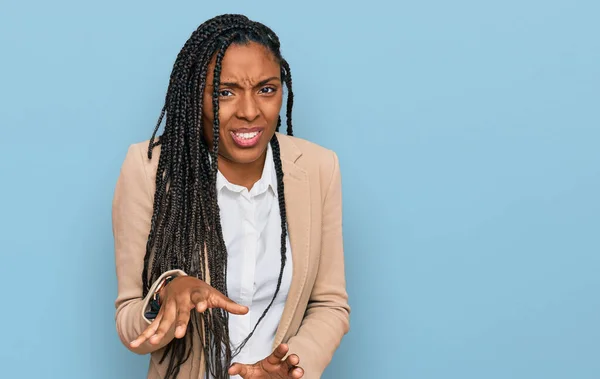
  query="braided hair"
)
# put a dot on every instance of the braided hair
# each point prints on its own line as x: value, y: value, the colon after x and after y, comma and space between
x: 185, y: 229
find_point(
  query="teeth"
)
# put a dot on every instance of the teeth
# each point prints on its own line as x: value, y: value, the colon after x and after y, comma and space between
x: 246, y: 135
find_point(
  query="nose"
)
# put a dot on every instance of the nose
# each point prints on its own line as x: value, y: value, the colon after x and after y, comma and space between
x: 248, y: 108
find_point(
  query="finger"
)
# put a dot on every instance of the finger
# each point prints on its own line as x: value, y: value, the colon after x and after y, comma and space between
x: 197, y: 296
x: 296, y: 373
x: 238, y: 369
x: 199, y: 299
x: 278, y: 354
x: 218, y: 300
x: 165, y: 323
x: 293, y: 360
x: 147, y: 333
x: 202, y: 306
x: 183, y: 317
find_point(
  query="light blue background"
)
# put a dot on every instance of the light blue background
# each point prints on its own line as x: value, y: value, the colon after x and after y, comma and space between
x: 468, y: 134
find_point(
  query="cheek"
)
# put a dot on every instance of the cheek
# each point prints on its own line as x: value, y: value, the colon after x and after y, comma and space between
x: 272, y: 108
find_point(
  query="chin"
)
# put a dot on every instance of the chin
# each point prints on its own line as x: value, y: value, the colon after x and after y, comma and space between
x: 242, y: 156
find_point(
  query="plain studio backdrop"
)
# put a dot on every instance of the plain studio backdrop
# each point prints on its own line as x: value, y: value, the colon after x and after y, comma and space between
x: 469, y: 140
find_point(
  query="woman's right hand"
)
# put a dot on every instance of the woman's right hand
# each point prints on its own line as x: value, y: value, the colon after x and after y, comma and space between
x: 178, y: 299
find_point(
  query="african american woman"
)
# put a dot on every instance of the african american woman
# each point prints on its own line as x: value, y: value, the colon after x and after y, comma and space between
x: 228, y: 233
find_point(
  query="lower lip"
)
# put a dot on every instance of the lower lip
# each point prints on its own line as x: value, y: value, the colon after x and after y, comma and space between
x: 246, y: 142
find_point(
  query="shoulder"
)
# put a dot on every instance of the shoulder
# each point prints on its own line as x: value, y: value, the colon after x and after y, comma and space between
x: 295, y: 148
x: 313, y: 158
x: 137, y: 164
x: 140, y: 152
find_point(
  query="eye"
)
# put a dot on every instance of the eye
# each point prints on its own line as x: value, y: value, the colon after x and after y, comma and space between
x: 267, y: 90
x: 225, y: 93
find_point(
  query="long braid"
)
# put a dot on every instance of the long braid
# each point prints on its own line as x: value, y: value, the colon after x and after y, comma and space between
x: 281, y: 198
x: 217, y: 260
x: 287, y: 77
x: 185, y: 230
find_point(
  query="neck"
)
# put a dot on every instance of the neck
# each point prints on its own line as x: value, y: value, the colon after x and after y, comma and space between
x: 242, y: 174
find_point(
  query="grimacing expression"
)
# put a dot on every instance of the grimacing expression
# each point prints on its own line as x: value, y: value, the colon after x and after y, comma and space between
x: 250, y: 98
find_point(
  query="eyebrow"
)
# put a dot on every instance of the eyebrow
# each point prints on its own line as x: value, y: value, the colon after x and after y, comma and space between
x: 261, y: 83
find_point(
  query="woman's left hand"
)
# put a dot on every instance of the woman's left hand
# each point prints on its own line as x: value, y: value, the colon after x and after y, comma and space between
x: 272, y: 367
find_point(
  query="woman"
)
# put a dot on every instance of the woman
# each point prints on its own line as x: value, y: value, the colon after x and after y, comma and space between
x: 210, y: 282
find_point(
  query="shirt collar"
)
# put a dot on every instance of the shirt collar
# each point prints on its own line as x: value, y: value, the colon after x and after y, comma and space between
x: 267, y: 180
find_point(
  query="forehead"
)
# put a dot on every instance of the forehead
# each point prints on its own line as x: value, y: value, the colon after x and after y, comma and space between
x: 248, y: 61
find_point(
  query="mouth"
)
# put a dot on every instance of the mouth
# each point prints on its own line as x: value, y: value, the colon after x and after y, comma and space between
x: 246, y: 138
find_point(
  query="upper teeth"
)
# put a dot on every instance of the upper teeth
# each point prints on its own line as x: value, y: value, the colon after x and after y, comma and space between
x: 247, y: 135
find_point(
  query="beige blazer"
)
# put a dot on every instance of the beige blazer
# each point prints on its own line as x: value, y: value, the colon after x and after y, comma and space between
x: 316, y: 313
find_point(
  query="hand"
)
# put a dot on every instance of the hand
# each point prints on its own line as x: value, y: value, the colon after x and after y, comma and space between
x: 272, y: 367
x: 178, y: 299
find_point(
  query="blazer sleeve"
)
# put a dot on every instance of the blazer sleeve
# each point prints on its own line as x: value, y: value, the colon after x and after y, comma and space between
x: 327, y: 318
x: 132, y: 209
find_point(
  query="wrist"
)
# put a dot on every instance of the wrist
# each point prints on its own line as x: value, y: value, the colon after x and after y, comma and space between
x: 157, y: 298
x: 161, y: 294
x: 160, y: 291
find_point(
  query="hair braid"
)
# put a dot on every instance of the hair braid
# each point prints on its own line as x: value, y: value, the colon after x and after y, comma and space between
x: 281, y: 198
x: 287, y: 77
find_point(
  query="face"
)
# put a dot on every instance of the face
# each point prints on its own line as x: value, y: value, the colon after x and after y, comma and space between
x: 250, y: 98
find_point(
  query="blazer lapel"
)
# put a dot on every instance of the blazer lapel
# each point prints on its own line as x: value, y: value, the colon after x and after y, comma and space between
x: 297, y: 203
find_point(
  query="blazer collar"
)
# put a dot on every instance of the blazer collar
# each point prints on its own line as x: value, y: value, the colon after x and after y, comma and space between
x: 289, y: 150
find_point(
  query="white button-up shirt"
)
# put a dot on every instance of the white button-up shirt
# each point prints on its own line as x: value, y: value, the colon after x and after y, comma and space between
x: 251, y: 226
